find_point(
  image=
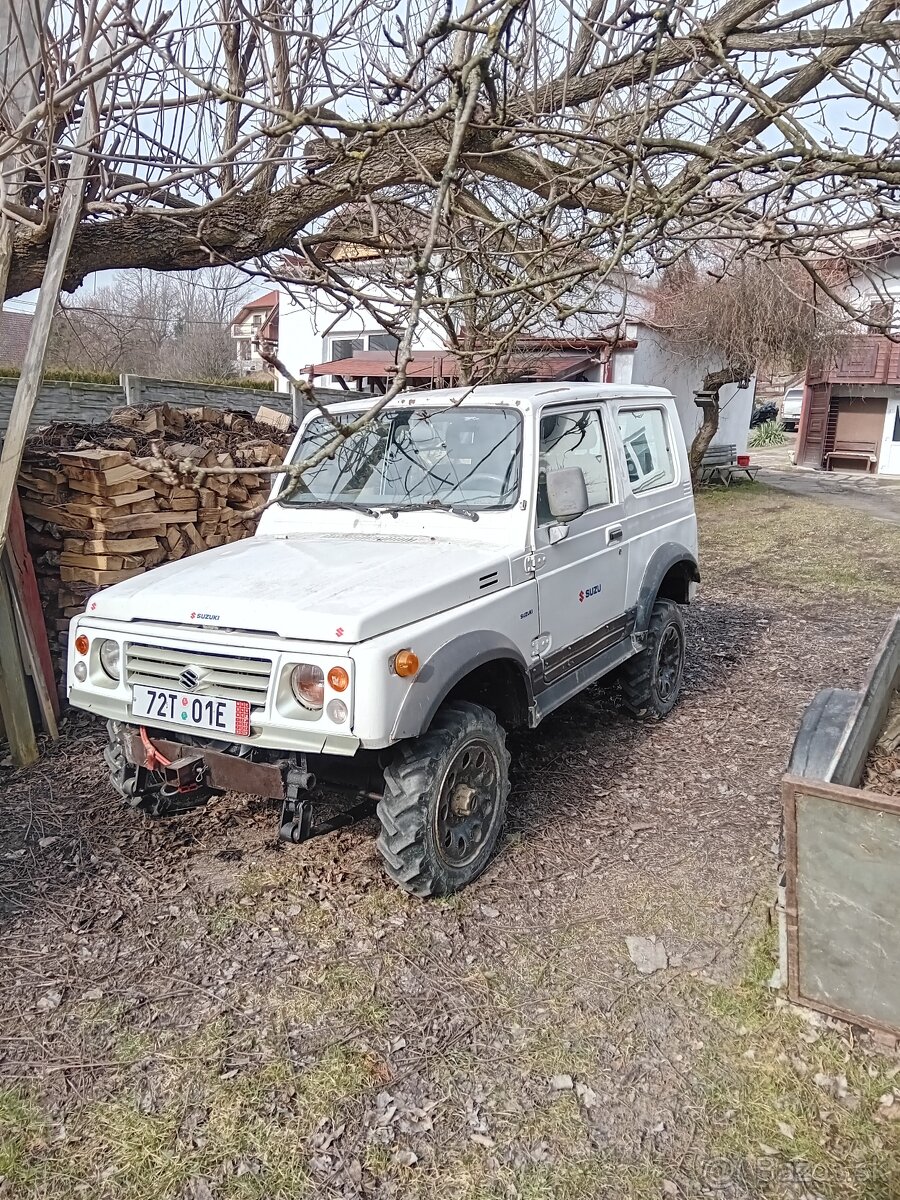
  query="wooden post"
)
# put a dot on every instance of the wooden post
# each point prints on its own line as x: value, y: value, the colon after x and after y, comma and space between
x: 13, y: 690
x: 35, y: 356
x: 131, y: 385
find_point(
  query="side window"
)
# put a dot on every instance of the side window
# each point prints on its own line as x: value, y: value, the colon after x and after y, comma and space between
x: 573, y: 440
x: 343, y: 347
x: 648, y: 454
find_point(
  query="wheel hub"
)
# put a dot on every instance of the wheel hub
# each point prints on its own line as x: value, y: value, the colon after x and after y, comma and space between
x: 463, y: 800
x: 467, y: 803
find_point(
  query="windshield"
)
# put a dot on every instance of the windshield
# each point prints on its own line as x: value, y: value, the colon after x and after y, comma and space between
x: 467, y: 457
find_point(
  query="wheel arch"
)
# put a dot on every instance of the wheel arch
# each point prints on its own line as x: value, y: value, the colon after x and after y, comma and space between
x: 668, y: 576
x: 482, y: 666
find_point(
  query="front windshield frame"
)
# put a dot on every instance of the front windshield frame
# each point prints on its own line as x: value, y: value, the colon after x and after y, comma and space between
x: 410, y: 503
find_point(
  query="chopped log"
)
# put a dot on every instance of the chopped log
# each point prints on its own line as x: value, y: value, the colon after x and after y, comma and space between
x: 97, y: 578
x: 95, y: 459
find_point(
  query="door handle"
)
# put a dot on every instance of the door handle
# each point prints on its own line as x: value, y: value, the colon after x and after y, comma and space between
x: 614, y: 534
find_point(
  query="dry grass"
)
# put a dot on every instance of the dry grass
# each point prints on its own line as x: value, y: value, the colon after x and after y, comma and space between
x: 789, y: 1097
x: 815, y: 551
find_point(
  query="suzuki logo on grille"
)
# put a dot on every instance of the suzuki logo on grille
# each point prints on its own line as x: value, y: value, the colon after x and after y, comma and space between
x: 191, y: 678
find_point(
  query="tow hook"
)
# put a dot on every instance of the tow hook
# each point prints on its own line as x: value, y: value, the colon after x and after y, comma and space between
x: 185, y: 774
x: 296, y: 813
x: 296, y: 818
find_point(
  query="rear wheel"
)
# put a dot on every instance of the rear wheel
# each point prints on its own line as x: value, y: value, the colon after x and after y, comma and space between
x: 651, y: 681
x: 444, y: 802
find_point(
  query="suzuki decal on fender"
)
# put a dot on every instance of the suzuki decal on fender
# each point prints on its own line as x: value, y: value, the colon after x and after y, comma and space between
x: 589, y: 592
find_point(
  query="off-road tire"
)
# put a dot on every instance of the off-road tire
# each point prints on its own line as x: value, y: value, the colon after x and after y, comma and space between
x: 123, y: 775
x: 416, y: 784
x: 642, y: 687
x: 140, y: 789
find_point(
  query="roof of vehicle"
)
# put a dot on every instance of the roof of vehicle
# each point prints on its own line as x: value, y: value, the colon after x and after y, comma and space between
x: 524, y: 395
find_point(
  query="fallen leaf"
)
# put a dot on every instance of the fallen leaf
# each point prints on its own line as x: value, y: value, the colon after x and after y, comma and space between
x: 647, y: 954
x: 404, y: 1158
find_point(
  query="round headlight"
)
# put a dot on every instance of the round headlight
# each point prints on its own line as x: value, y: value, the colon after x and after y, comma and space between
x: 308, y: 686
x: 110, y: 658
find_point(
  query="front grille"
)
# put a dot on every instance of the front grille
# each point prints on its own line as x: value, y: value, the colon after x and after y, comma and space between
x: 224, y: 676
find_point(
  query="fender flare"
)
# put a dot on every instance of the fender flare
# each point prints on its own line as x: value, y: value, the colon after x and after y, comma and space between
x: 663, y: 558
x: 440, y: 673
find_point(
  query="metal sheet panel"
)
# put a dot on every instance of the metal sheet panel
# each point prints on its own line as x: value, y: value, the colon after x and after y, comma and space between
x: 843, y: 902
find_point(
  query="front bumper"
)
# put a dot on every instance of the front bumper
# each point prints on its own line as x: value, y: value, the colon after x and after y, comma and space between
x: 276, y: 722
x: 225, y: 772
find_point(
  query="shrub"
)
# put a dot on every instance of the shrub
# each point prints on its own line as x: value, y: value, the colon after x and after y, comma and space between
x: 769, y: 433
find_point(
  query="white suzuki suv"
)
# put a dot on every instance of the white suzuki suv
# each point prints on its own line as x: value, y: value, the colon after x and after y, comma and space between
x: 462, y: 563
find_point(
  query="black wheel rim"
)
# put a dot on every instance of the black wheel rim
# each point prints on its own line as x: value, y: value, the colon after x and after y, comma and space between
x: 467, y: 803
x: 668, y: 663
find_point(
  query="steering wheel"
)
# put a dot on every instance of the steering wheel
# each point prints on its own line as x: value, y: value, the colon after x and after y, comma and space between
x: 484, y: 483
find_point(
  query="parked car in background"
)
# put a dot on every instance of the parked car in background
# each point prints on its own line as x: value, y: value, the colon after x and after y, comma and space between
x: 790, y: 408
x: 763, y: 413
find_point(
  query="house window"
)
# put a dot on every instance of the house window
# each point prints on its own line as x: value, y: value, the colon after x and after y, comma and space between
x: 574, y: 440
x: 648, y: 454
x: 896, y: 437
x: 340, y: 346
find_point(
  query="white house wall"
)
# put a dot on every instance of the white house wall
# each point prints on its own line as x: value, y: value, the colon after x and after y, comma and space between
x: 880, y: 280
x: 654, y: 363
x: 305, y: 323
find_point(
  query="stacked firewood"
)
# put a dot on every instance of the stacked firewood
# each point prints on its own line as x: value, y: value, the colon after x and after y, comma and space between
x: 105, y: 502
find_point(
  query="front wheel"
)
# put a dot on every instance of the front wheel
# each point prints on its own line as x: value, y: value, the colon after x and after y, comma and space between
x: 651, y: 681
x: 444, y: 802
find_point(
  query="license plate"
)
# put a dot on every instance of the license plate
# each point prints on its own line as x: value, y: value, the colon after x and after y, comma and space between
x: 196, y: 712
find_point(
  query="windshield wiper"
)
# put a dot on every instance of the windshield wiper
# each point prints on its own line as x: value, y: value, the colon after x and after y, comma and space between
x: 357, y: 508
x: 433, y: 505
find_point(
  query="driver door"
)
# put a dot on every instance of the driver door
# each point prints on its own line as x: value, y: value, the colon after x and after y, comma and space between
x: 581, y: 579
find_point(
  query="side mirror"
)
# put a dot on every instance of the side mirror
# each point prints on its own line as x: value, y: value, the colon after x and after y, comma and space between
x: 567, y: 493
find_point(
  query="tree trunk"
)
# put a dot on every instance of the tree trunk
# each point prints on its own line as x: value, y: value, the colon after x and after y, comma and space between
x: 707, y: 400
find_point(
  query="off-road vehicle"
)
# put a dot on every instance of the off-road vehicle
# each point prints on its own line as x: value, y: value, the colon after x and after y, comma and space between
x: 463, y: 563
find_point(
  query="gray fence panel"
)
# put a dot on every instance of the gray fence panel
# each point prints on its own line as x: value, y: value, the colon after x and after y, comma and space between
x: 60, y: 400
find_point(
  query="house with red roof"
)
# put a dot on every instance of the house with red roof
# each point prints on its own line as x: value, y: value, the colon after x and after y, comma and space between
x: 254, y: 331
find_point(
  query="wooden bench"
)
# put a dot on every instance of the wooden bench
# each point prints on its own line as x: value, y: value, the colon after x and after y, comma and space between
x: 859, y: 451
x: 719, y: 465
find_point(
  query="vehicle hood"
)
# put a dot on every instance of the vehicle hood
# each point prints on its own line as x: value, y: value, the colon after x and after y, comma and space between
x: 318, y: 587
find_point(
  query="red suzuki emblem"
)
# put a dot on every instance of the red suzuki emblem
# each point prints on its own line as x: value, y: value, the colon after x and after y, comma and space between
x: 340, y: 631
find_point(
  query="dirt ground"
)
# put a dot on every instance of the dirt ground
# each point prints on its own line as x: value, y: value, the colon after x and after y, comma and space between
x: 189, y: 1010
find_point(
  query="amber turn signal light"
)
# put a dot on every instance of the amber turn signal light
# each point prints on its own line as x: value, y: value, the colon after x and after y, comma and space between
x: 82, y: 643
x: 406, y: 663
x: 338, y: 679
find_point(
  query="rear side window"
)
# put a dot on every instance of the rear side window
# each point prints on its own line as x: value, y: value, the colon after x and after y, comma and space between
x: 648, y: 451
